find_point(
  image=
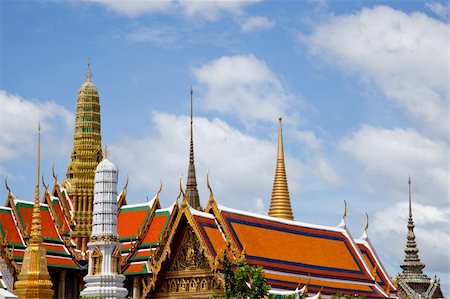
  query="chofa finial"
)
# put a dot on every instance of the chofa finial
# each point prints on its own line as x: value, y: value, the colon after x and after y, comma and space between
x: 160, y: 187
x: 345, y: 209
x: 43, y: 183
x: 6, y: 184
x: 367, y: 223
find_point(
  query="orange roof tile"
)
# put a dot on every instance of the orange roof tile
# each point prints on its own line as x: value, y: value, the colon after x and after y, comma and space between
x: 372, y: 261
x: 56, y: 249
x: 49, y: 231
x: 142, y: 255
x: 294, y: 247
x: 157, y: 228
x: 60, y: 214
x: 137, y: 268
x: 330, y: 287
x: 131, y: 219
x: 211, y: 235
x: 62, y: 262
x: 8, y: 228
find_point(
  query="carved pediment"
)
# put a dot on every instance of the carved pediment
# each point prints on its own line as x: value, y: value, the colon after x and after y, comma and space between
x: 188, y: 275
x: 189, y: 255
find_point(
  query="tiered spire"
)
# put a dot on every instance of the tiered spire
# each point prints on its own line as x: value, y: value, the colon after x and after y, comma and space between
x: 280, y: 204
x: 191, y: 184
x: 412, y: 267
x: 86, y: 154
x: 34, y: 279
x: 104, y: 279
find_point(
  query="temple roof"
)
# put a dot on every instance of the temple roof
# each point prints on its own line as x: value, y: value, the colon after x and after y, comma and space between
x: 298, y: 252
x: 295, y: 253
x: 16, y: 220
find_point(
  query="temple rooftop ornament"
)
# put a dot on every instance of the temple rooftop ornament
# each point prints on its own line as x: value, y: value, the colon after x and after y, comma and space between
x: 86, y: 154
x: 280, y: 204
x: 191, y: 184
x: 34, y: 279
x: 412, y: 266
x: 412, y: 282
x: 104, y: 279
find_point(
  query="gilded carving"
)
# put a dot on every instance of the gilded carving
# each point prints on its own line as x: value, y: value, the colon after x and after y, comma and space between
x: 97, y: 258
x: 189, y: 274
x: 189, y: 256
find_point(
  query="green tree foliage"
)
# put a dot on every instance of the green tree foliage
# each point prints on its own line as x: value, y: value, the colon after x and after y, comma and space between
x: 242, y: 280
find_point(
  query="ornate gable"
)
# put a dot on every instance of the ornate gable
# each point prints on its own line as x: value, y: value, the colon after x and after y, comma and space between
x: 185, y: 267
x: 188, y: 274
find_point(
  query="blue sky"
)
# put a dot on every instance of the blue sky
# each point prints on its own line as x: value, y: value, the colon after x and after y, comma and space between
x: 363, y: 88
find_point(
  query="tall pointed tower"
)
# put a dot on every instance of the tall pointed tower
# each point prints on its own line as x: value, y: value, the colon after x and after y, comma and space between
x: 86, y: 154
x: 104, y: 279
x: 34, y: 280
x: 412, y: 282
x: 280, y: 204
x: 191, y: 184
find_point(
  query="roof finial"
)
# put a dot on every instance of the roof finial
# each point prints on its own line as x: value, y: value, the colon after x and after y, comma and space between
x: 367, y: 223
x: 345, y: 210
x: 88, y: 72
x: 409, y: 187
x: 44, y: 184
x: 280, y: 204
x: 160, y: 187
x: 36, y: 217
x: 6, y: 184
x: 53, y: 173
x: 211, y: 195
x: 191, y: 182
x: 106, y: 152
x: 412, y: 267
x: 191, y: 91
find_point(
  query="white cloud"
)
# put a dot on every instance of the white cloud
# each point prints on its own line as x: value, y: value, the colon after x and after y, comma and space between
x: 440, y: 9
x: 405, y: 55
x: 211, y: 10
x: 259, y: 207
x: 390, y: 155
x: 432, y: 234
x: 158, y: 35
x: 206, y: 10
x: 234, y: 159
x: 309, y: 138
x: 256, y: 23
x: 245, y: 87
x: 19, y: 119
x: 135, y: 8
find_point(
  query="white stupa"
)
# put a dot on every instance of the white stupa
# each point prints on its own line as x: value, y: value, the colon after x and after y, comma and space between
x: 104, y: 279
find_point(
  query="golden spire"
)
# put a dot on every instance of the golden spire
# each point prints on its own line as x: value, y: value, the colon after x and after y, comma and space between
x: 191, y: 183
x: 280, y: 204
x: 86, y: 154
x: 34, y: 280
x: 36, y: 218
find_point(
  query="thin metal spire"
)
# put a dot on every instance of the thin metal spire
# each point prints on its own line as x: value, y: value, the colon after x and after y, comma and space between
x: 191, y: 183
x: 409, y: 187
x: 280, y: 204
x: 88, y: 72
